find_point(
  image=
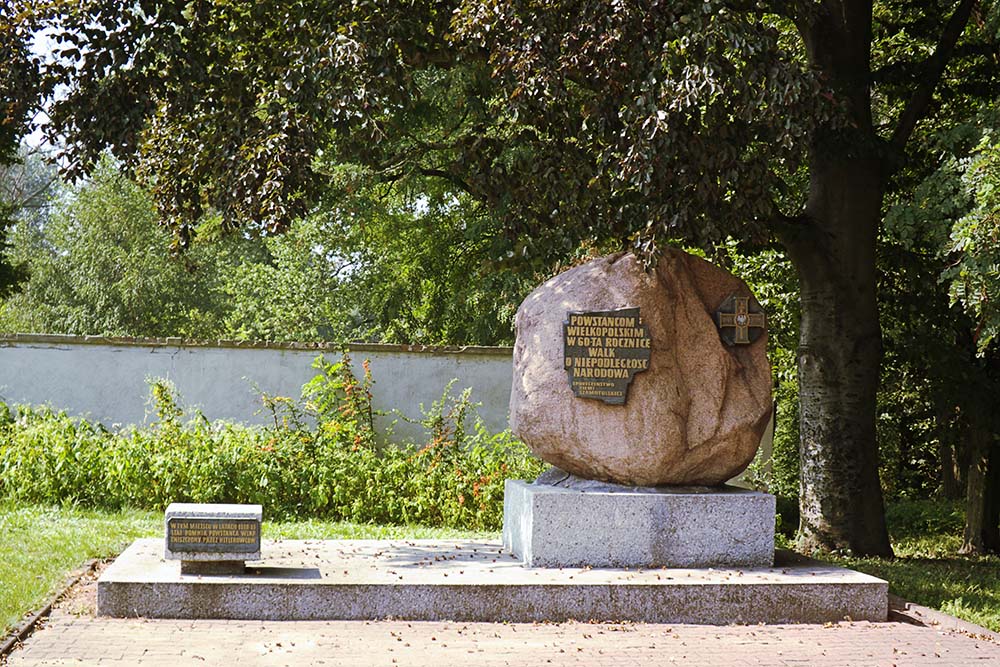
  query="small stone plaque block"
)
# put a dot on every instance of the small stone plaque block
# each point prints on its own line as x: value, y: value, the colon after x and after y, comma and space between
x: 212, y: 532
x: 603, y: 351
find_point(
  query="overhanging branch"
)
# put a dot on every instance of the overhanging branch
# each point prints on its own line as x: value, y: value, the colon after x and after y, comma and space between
x: 784, y: 8
x: 917, y: 107
x: 448, y: 176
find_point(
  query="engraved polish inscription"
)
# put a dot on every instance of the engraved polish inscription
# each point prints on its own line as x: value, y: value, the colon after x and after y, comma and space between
x: 603, y: 351
x: 213, y: 535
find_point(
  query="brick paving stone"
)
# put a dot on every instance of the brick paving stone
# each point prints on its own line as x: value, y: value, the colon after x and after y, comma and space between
x: 71, y: 640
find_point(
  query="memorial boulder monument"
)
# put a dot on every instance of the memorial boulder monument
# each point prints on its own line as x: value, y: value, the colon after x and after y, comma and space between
x: 694, y: 414
x: 647, y: 390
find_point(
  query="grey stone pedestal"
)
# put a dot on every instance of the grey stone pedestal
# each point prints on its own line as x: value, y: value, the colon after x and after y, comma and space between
x: 475, y: 581
x: 607, y: 525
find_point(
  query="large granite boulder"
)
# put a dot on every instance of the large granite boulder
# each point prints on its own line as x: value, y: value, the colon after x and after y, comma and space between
x: 695, y: 417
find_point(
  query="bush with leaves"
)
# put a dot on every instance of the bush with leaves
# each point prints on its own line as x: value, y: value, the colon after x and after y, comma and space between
x: 319, y: 458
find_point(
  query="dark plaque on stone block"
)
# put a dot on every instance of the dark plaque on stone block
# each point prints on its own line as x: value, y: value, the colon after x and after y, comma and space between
x: 221, y: 535
x: 603, y: 350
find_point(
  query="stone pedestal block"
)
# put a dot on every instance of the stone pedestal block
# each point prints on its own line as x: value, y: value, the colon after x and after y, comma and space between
x: 618, y: 526
x: 475, y: 581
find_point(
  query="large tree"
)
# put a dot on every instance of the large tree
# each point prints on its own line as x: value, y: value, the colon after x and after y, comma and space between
x: 100, y: 264
x: 942, y: 295
x: 19, y: 90
x: 637, y: 121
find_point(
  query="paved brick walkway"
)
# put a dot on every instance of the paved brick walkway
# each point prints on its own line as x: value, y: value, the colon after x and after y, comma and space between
x: 70, y: 640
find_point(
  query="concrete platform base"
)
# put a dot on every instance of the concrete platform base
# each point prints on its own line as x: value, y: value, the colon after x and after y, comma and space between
x: 608, y: 525
x: 471, y: 580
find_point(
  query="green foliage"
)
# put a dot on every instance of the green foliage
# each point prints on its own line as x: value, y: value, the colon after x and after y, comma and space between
x: 772, y: 280
x: 20, y: 80
x: 25, y: 192
x: 939, y: 275
x: 341, y: 405
x: 403, y: 266
x: 974, y: 279
x: 928, y: 519
x: 674, y: 120
x: 300, y: 292
x: 569, y: 121
x: 565, y: 129
x: 784, y: 479
x: 950, y: 222
x: 421, y: 269
x: 101, y: 265
x: 333, y: 470
x: 368, y: 266
x: 9, y: 275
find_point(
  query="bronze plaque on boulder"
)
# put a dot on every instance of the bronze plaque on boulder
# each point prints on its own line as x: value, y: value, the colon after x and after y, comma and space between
x: 602, y: 352
x: 220, y: 535
x: 740, y: 319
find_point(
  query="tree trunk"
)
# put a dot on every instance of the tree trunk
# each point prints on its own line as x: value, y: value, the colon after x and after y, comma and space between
x: 982, y: 498
x: 840, y: 349
x: 950, y: 479
x: 833, y: 249
x: 982, y: 509
x: 991, y: 527
x: 948, y: 457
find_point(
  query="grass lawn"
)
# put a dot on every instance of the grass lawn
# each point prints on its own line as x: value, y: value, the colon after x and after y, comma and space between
x: 40, y: 546
x: 928, y: 569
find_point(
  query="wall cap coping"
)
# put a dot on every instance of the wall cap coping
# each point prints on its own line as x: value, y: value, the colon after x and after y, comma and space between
x: 15, y: 339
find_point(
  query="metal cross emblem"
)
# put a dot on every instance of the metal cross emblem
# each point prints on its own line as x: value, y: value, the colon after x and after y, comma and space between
x: 741, y: 314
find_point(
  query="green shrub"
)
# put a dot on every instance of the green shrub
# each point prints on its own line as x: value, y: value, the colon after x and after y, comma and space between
x: 318, y: 458
x: 908, y: 519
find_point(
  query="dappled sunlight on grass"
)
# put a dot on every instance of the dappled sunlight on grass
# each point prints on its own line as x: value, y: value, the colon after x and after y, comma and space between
x: 928, y: 570
x: 39, y: 546
x: 967, y: 587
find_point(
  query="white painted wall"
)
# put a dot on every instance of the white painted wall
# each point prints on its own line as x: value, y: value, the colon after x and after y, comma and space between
x: 105, y: 379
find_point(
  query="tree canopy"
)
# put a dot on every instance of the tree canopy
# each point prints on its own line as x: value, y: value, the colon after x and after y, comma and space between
x: 100, y: 264
x: 20, y: 78
x: 573, y: 120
